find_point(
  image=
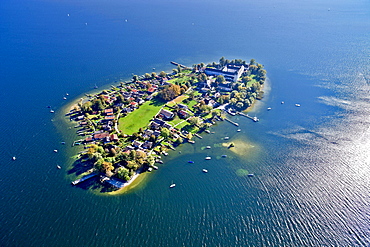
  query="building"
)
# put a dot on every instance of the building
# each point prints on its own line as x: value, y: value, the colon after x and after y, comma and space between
x: 230, y: 72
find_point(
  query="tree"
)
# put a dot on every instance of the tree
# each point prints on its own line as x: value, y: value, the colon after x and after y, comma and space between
x: 222, y: 61
x: 220, y: 79
x: 252, y: 62
x: 135, y: 78
x: 162, y: 74
x: 165, y: 133
x: 196, y: 121
x: 123, y: 173
x: 147, y: 76
x: 170, y: 92
x: 86, y: 107
x: 202, y: 77
x: 154, y: 75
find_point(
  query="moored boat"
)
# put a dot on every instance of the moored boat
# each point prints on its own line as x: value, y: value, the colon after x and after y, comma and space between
x: 172, y: 185
x: 205, y: 170
x: 208, y: 158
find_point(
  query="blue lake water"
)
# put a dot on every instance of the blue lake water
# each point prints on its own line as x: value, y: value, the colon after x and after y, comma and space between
x: 311, y: 163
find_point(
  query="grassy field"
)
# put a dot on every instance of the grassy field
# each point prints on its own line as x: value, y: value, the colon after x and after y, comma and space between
x: 139, y: 118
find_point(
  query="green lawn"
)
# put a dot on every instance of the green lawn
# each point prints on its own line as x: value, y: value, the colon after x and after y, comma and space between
x: 139, y: 118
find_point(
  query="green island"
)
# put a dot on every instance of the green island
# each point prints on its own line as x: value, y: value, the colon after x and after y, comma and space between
x: 128, y: 127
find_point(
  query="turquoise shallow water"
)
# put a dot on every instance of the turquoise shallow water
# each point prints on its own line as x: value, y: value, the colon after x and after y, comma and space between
x: 311, y: 163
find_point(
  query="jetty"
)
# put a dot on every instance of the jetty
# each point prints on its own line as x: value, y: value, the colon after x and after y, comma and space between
x: 200, y: 137
x: 255, y: 119
x: 181, y: 65
x: 234, y: 123
x: 84, y: 178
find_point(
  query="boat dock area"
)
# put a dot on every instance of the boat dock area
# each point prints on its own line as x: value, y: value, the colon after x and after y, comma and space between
x: 84, y: 178
x: 234, y: 123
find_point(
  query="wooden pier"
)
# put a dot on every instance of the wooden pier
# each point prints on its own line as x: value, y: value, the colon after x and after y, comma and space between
x: 234, y: 123
x: 84, y: 178
x: 181, y: 65
x: 255, y: 119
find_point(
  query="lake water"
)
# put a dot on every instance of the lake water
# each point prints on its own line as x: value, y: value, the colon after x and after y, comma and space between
x: 311, y: 163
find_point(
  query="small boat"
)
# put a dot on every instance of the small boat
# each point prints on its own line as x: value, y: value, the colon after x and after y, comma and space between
x: 208, y: 147
x: 67, y: 94
x: 150, y: 169
x: 48, y: 106
x: 205, y: 170
x: 64, y: 98
x: 172, y: 185
x: 63, y: 143
x: 191, y: 162
x: 224, y: 156
x: 255, y: 119
x: 239, y: 130
x: 59, y: 167
x: 14, y: 158
x: 269, y: 108
x: 297, y: 105
x: 51, y: 111
x: 155, y: 167
x: 282, y: 102
x: 226, y: 138
x: 250, y: 175
x: 55, y: 151
x: 208, y: 158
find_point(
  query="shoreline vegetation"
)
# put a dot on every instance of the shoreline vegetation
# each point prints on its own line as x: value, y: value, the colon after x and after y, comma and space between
x: 126, y: 129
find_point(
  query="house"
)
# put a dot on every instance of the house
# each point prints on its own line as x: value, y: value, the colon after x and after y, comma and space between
x: 183, y: 114
x: 110, y: 110
x: 109, y: 118
x: 114, y: 137
x: 182, y: 106
x: 101, y: 136
x: 166, y: 114
x: 147, y: 145
x: 137, y: 144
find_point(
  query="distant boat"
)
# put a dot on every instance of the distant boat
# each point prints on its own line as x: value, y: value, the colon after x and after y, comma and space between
x: 282, y: 102
x: 255, y: 119
x: 239, y: 130
x: 226, y: 138
x: 63, y: 143
x: 250, y: 175
x: 208, y: 147
x: 155, y: 167
x: 205, y: 170
x: 51, y: 111
x: 172, y: 185
x: 55, y: 151
x: 269, y: 108
x: 67, y: 94
x: 208, y: 158
x: 150, y: 169
x: 48, y: 106
x: 224, y: 156
x: 191, y: 162
x: 59, y: 167
x: 64, y: 98
x: 14, y: 158
x: 297, y: 105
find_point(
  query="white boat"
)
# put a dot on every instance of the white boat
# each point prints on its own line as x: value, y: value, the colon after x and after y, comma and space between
x: 14, y: 158
x: 297, y: 105
x: 255, y: 119
x: 224, y: 156
x: 269, y: 108
x: 282, y: 102
x: 59, y: 167
x: 226, y: 138
x: 64, y: 98
x: 55, y: 151
x: 208, y: 158
x: 172, y: 185
x: 150, y: 169
x: 208, y: 147
x: 239, y: 130
x: 51, y: 111
x: 250, y: 175
x: 205, y: 170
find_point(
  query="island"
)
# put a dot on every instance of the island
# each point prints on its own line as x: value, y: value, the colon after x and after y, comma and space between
x: 126, y: 129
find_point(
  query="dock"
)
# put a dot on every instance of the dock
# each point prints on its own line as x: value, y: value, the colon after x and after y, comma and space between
x: 181, y: 65
x: 198, y: 136
x: 255, y: 119
x: 234, y: 123
x: 84, y: 178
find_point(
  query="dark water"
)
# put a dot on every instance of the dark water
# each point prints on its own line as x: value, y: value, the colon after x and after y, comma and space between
x: 311, y: 163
